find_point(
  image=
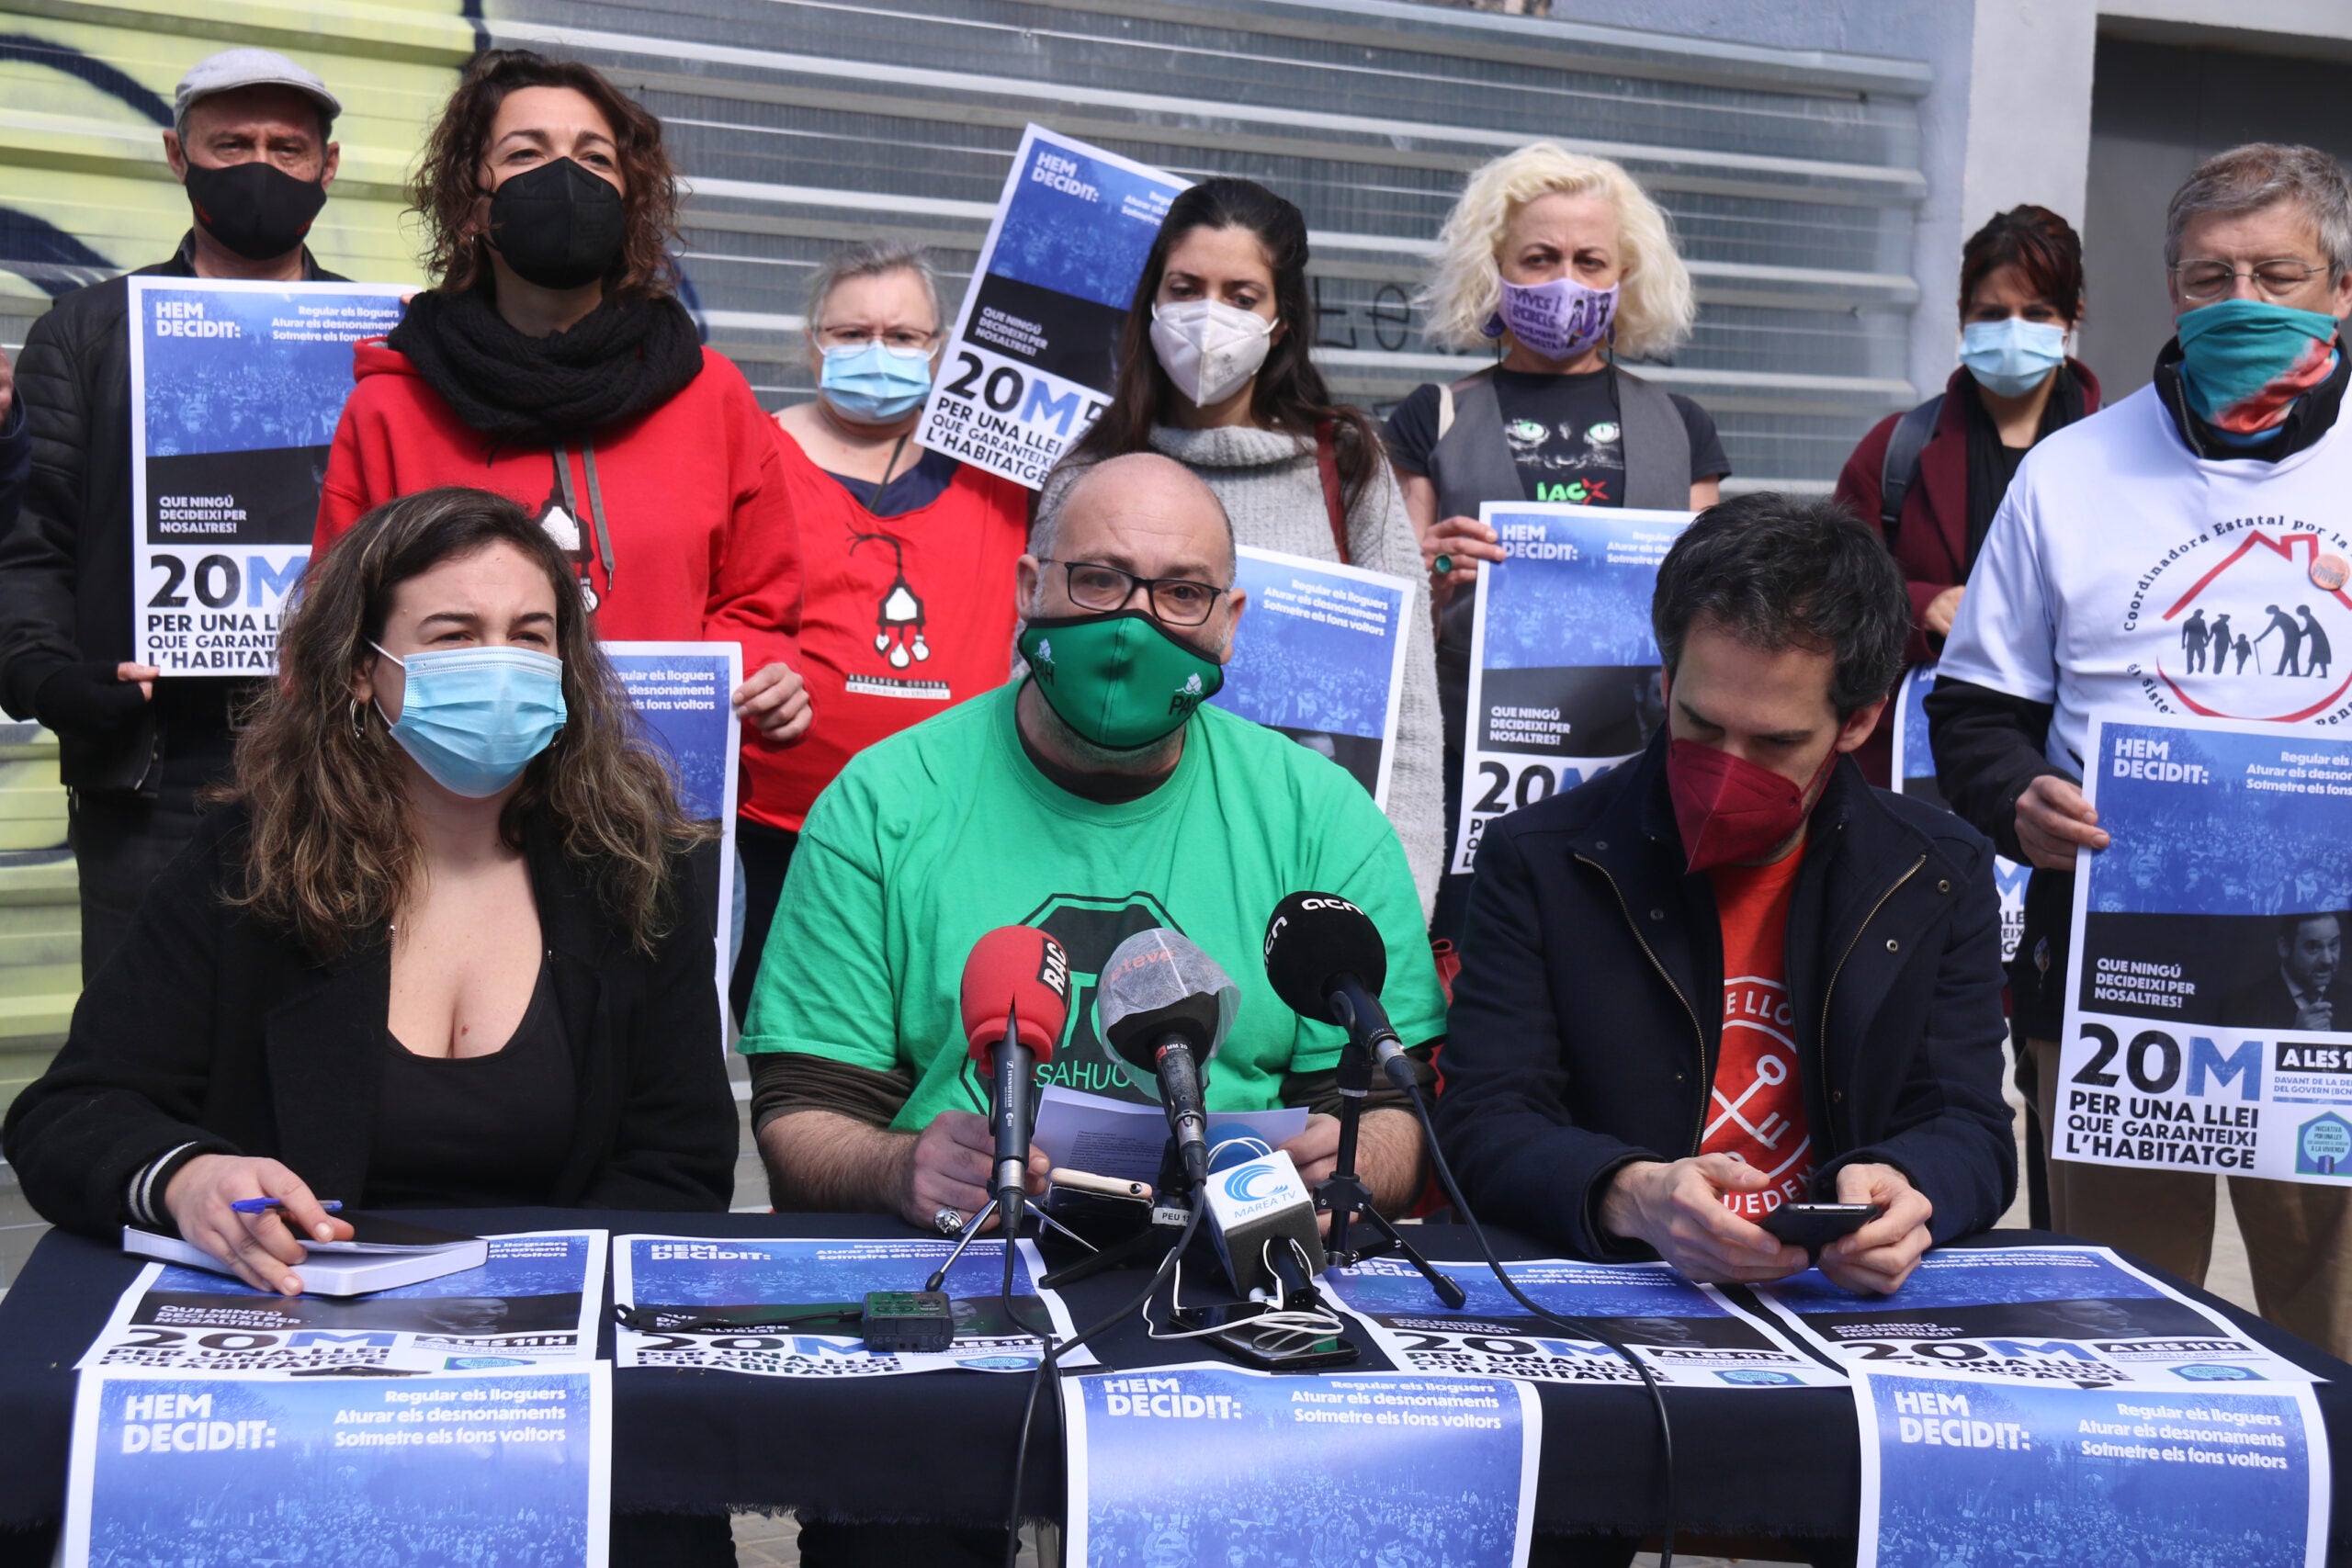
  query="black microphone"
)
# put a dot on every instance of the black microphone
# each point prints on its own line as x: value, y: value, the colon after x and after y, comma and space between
x: 1324, y: 959
x: 1165, y: 1008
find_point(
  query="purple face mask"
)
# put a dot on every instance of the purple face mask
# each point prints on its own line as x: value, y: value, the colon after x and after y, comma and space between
x: 1558, y: 319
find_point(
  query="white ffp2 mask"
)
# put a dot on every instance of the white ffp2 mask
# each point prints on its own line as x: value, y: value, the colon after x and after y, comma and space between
x: 1208, y: 348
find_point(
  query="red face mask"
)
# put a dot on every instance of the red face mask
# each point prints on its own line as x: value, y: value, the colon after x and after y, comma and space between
x: 1730, y: 810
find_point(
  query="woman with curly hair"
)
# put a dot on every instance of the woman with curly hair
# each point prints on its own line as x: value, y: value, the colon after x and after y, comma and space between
x: 1563, y: 265
x: 434, y: 949
x: 552, y: 364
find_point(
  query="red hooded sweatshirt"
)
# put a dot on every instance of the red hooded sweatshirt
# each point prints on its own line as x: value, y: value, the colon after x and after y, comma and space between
x: 702, y: 541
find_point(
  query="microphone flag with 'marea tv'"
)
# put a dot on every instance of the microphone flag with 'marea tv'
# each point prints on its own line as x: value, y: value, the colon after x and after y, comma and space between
x: 1165, y: 1008
x: 1324, y: 958
x: 1015, y: 1002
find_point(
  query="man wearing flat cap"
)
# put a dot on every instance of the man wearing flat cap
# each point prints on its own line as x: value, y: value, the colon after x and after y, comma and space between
x: 250, y: 143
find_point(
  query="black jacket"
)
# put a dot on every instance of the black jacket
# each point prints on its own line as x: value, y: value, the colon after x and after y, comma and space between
x: 213, y: 1028
x: 16, y: 461
x: 1587, y: 1015
x: 66, y: 564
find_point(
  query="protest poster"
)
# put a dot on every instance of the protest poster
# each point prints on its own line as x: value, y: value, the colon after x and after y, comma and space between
x: 534, y: 1300
x: 235, y: 388
x: 1563, y: 672
x: 1688, y: 1336
x: 2209, y: 1013
x: 235, y: 1470
x: 1915, y: 775
x: 682, y: 691
x: 1383, y: 1468
x: 1031, y: 363
x: 670, y: 1280
x: 1319, y: 654
x: 1955, y: 1470
x: 2032, y: 1315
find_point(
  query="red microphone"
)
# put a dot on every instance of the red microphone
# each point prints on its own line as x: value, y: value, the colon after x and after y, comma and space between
x: 1015, y: 1002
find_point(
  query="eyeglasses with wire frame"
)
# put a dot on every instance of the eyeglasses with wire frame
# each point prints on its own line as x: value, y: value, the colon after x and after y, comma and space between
x: 2205, y: 281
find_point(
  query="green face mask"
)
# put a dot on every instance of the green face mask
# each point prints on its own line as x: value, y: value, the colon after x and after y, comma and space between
x: 1119, y: 680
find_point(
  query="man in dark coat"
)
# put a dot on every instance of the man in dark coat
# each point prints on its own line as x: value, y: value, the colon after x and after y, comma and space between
x: 1731, y: 974
x: 250, y: 141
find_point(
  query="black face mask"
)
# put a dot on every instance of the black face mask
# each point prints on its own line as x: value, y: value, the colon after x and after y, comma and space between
x: 558, y: 225
x: 257, y: 209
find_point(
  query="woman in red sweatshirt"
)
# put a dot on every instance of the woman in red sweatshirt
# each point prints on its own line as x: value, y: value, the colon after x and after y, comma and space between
x: 550, y: 363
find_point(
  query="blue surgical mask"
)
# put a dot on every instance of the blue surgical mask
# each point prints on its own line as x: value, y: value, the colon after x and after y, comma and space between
x: 875, y: 383
x: 474, y: 718
x: 2010, y: 358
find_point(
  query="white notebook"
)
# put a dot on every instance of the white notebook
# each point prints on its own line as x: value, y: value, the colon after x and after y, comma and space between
x: 381, y: 1255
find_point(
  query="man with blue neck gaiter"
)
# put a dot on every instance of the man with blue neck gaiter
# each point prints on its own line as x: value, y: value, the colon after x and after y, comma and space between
x: 2221, y: 491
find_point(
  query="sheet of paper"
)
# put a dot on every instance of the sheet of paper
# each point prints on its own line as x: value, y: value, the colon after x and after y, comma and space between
x: 1564, y: 669
x: 1376, y: 1468
x: 1915, y: 775
x: 536, y: 1300
x: 1320, y: 656
x: 2042, y: 1314
x: 1123, y: 1140
x: 2209, y: 1018
x: 235, y: 389
x: 1688, y: 1336
x: 1956, y: 1471
x: 236, y: 1470
x: 680, y: 693
x: 749, y: 1278
x: 1030, y: 365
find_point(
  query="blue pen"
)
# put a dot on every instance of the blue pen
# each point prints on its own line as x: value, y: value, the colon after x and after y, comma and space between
x: 264, y: 1205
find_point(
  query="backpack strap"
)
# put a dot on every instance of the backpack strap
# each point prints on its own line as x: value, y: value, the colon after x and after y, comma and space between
x: 1334, y: 505
x: 1901, y: 469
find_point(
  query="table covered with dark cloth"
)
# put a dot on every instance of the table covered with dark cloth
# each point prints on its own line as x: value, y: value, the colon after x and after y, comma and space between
x: 938, y: 1446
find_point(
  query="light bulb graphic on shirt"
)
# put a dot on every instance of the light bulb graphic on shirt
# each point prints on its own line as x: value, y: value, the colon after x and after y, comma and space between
x: 899, y: 622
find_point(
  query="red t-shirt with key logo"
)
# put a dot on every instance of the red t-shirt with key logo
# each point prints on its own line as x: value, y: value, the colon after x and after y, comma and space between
x: 1758, y: 1108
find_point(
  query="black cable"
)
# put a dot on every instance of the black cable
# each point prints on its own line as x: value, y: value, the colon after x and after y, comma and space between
x: 1047, y: 1365
x: 1580, y: 1329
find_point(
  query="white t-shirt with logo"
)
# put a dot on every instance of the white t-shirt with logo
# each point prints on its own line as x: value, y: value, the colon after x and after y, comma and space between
x: 2125, y: 572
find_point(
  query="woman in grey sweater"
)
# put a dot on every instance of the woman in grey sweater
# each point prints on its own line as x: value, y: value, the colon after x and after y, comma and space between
x: 1214, y: 372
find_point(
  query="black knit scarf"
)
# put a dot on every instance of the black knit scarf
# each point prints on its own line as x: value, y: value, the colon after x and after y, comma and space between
x: 1987, y: 476
x: 622, y: 360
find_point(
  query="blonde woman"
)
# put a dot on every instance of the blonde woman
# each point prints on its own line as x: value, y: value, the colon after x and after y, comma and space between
x: 1563, y: 264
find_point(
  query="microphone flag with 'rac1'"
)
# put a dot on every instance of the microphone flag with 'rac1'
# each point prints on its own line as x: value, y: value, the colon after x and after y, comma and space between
x: 1016, y: 973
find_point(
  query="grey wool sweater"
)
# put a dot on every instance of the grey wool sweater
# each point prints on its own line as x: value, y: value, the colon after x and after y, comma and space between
x: 1274, y: 491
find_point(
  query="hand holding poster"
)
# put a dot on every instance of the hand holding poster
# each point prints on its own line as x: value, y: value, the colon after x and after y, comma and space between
x: 1320, y: 656
x: 2209, y: 1018
x: 534, y: 1300
x: 2039, y: 1314
x: 1962, y: 1471
x: 1384, y: 1469
x: 1564, y: 670
x: 228, y: 1471
x: 1030, y: 365
x: 1688, y: 1336
x: 235, y: 388
x: 750, y: 1281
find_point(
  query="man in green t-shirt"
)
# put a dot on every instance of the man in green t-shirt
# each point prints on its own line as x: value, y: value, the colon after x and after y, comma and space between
x: 1094, y: 798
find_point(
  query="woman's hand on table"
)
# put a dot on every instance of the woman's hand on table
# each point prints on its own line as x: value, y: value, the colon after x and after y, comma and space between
x: 262, y: 1250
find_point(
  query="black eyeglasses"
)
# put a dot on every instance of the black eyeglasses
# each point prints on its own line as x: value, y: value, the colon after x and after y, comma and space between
x: 1176, y: 601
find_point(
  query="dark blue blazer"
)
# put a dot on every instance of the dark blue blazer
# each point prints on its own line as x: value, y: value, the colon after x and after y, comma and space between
x: 1587, y: 1017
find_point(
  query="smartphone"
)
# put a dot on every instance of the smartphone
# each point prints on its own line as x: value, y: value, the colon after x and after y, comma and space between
x: 1815, y: 1225
x: 1275, y: 1351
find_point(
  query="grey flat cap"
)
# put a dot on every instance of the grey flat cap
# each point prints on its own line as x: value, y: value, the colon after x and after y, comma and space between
x: 234, y: 68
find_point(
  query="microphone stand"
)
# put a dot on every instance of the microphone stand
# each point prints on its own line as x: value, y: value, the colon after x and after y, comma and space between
x: 972, y: 1230
x: 1343, y: 1194
x: 1172, y: 1202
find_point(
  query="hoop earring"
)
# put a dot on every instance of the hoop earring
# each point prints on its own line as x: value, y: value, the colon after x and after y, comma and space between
x: 358, y: 721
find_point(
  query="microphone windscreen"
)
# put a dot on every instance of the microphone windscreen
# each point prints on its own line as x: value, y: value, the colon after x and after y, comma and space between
x: 1158, y: 981
x: 1313, y: 937
x: 1016, y: 971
